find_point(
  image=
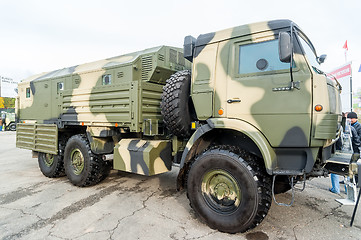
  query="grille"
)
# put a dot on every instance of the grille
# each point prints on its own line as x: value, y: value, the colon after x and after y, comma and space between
x: 161, y: 57
x: 181, y: 60
x: 120, y: 74
x: 147, y: 66
x: 172, y: 56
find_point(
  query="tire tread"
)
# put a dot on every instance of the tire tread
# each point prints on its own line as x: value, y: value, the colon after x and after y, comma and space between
x: 257, y: 169
x: 98, y: 169
x: 174, y: 106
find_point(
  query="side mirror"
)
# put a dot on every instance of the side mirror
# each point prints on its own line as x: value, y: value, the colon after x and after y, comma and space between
x: 188, y: 47
x: 322, y: 58
x: 284, y: 47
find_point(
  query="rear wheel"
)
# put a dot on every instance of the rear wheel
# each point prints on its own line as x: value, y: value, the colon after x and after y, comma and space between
x: 229, y: 189
x: 51, y: 165
x: 82, y: 166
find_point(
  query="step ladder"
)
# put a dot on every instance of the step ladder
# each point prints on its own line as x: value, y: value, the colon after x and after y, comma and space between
x: 351, y: 193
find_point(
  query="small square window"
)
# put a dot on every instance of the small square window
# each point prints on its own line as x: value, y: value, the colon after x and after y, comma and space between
x: 60, y: 86
x: 107, y: 79
x: 27, y: 92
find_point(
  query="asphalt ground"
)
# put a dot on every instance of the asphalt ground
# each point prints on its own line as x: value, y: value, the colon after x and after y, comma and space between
x: 130, y: 206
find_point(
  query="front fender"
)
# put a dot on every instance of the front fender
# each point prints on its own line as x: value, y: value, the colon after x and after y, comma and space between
x: 268, y: 153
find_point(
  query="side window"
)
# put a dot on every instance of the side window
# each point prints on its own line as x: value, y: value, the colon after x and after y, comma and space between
x: 107, y: 79
x: 60, y: 87
x: 310, y: 55
x: 260, y: 57
x: 27, y: 92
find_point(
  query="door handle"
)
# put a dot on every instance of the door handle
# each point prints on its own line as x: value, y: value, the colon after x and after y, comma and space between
x: 233, y: 100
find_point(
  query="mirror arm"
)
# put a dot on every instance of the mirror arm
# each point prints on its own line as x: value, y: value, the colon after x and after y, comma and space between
x: 291, y: 62
x: 293, y: 84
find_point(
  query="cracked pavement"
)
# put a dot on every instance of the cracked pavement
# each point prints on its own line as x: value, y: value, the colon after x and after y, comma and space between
x: 129, y: 206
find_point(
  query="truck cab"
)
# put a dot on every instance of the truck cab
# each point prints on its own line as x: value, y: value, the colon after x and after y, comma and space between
x: 294, y: 108
x: 261, y: 103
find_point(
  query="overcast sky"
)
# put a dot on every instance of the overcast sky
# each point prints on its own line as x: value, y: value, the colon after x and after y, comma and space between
x: 41, y: 35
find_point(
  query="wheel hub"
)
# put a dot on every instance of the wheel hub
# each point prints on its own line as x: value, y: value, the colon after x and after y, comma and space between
x: 49, y: 159
x: 77, y: 161
x: 221, y: 191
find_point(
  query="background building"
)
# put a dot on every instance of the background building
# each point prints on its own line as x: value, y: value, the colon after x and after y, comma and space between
x: 8, y: 93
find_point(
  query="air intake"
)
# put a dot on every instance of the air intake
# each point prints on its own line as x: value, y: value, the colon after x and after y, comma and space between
x: 147, y: 66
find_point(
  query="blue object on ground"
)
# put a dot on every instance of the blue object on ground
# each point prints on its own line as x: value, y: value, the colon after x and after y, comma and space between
x: 335, y: 181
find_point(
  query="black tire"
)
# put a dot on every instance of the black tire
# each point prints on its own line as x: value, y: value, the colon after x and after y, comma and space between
x: 51, y: 165
x: 82, y: 166
x: 12, y: 127
x: 176, y: 104
x: 230, y: 190
x: 106, y: 167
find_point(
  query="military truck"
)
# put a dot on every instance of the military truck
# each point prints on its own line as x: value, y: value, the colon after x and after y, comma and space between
x: 8, y: 120
x: 244, y: 112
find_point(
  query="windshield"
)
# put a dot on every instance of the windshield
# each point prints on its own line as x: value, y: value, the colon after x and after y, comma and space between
x: 310, y: 54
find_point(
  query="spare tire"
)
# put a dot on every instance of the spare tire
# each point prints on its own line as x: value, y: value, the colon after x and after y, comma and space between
x: 176, y: 105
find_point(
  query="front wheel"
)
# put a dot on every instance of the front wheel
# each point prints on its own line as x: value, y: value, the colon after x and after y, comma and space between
x: 229, y: 190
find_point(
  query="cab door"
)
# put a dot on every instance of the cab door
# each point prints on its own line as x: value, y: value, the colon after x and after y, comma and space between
x: 255, y: 93
x: 57, y: 91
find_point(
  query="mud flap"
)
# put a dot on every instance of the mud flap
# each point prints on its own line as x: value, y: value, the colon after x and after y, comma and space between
x: 37, y: 137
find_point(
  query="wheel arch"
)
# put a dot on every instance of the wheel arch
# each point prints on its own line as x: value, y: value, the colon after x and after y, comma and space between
x: 229, y: 132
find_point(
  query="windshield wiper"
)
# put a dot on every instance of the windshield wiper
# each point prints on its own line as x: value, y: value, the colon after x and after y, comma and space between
x: 338, y: 83
x: 321, y: 72
x: 318, y: 70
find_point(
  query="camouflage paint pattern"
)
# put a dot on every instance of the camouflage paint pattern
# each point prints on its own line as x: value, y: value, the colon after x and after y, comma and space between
x: 80, y: 95
x: 110, y: 97
x: 284, y: 117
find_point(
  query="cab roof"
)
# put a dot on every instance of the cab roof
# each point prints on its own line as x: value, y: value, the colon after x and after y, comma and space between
x: 242, y: 30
